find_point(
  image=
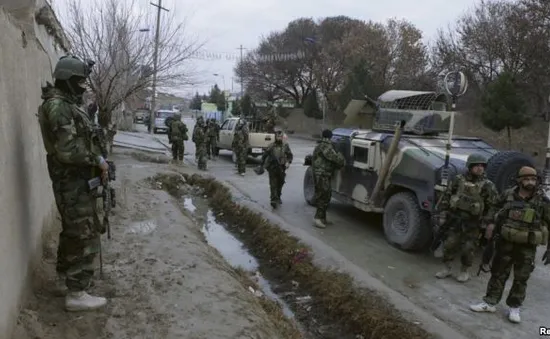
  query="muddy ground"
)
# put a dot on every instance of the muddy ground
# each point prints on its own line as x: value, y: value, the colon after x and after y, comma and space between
x: 161, y: 277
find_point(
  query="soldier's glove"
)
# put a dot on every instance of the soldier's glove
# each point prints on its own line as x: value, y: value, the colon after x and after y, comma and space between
x: 546, y: 257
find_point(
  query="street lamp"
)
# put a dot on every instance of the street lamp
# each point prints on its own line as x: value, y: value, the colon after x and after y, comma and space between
x: 224, y: 89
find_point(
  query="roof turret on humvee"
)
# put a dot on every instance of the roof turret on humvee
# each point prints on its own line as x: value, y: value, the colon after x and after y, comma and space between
x: 397, y: 165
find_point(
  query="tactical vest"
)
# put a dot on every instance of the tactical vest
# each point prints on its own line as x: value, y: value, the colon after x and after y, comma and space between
x: 468, y: 197
x: 522, y: 222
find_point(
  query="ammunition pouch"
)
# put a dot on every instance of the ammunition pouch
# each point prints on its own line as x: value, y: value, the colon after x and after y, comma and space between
x: 522, y: 227
x: 465, y: 203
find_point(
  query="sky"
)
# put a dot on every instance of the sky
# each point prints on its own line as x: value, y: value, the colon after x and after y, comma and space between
x: 224, y: 25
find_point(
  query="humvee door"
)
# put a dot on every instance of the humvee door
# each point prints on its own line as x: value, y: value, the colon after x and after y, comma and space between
x: 358, y: 177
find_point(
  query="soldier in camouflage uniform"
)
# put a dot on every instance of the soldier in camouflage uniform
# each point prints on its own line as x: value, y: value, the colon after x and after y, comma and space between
x: 199, y: 138
x: 73, y: 158
x: 276, y: 159
x: 325, y: 161
x: 177, y: 132
x: 240, y: 145
x: 464, y: 205
x: 521, y: 216
x: 213, y: 134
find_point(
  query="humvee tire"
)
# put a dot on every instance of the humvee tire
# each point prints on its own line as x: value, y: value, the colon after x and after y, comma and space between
x: 503, y: 167
x: 406, y: 225
x: 309, y: 186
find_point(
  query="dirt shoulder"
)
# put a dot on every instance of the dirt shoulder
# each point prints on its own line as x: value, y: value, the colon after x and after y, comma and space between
x: 161, y: 278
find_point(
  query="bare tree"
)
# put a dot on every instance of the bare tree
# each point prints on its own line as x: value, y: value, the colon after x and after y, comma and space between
x: 111, y: 33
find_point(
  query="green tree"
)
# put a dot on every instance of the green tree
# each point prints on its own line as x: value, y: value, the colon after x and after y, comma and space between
x: 196, y: 102
x: 311, y: 106
x: 217, y: 97
x: 503, y: 106
x: 236, y: 109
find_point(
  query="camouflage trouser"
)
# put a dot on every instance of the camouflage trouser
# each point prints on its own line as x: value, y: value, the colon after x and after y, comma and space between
x: 276, y: 182
x: 79, y: 238
x: 200, y: 155
x: 522, y: 258
x: 211, y: 145
x: 178, y: 149
x: 323, y: 194
x: 462, y: 238
x: 242, y: 156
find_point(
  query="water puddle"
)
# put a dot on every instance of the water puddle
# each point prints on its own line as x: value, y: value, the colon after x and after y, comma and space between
x: 143, y: 227
x: 236, y: 255
x: 188, y: 204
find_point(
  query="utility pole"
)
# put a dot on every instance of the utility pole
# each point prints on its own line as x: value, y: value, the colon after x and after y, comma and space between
x: 155, y: 66
x: 241, y: 62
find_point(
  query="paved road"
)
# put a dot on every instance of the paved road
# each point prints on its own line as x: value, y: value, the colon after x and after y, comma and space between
x: 358, y: 236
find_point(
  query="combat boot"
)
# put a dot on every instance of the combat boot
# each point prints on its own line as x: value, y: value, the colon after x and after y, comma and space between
x: 82, y: 301
x: 447, y: 271
x: 319, y: 223
x: 483, y: 307
x: 274, y: 204
x: 464, y: 275
x: 513, y: 315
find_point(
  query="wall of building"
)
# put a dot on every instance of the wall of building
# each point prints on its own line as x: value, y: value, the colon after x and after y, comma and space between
x: 32, y: 41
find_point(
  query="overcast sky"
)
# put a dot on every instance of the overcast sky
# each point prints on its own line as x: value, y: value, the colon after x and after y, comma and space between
x: 224, y: 25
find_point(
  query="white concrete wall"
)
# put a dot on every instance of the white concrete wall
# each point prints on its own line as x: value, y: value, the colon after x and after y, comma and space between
x: 28, y: 50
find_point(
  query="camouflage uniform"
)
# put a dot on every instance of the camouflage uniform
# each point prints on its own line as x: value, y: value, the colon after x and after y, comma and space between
x: 465, y: 203
x: 270, y: 121
x: 213, y: 133
x: 240, y: 146
x: 521, y: 225
x: 178, y: 134
x: 73, y: 157
x: 325, y: 161
x: 199, y: 138
x: 276, y: 158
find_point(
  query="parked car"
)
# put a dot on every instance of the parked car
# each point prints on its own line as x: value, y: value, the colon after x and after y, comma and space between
x: 258, y: 140
x: 160, y: 118
x: 140, y: 115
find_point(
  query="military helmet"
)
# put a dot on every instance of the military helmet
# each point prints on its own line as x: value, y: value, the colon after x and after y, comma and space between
x: 278, y: 131
x: 69, y: 66
x: 475, y: 159
x: 527, y: 171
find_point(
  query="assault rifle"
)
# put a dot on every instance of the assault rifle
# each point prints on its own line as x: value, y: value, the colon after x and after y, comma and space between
x: 107, y: 194
x: 488, y: 253
x: 490, y: 247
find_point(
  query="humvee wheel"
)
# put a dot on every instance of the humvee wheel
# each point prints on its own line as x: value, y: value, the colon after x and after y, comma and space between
x: 502, y: 168
x: 309, y: 186
x: 406, y: 226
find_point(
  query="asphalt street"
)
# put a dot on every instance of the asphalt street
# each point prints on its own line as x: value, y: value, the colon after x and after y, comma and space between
x: 359, y: 237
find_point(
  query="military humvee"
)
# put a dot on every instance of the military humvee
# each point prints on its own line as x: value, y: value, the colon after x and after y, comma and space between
x: 395, y: 167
